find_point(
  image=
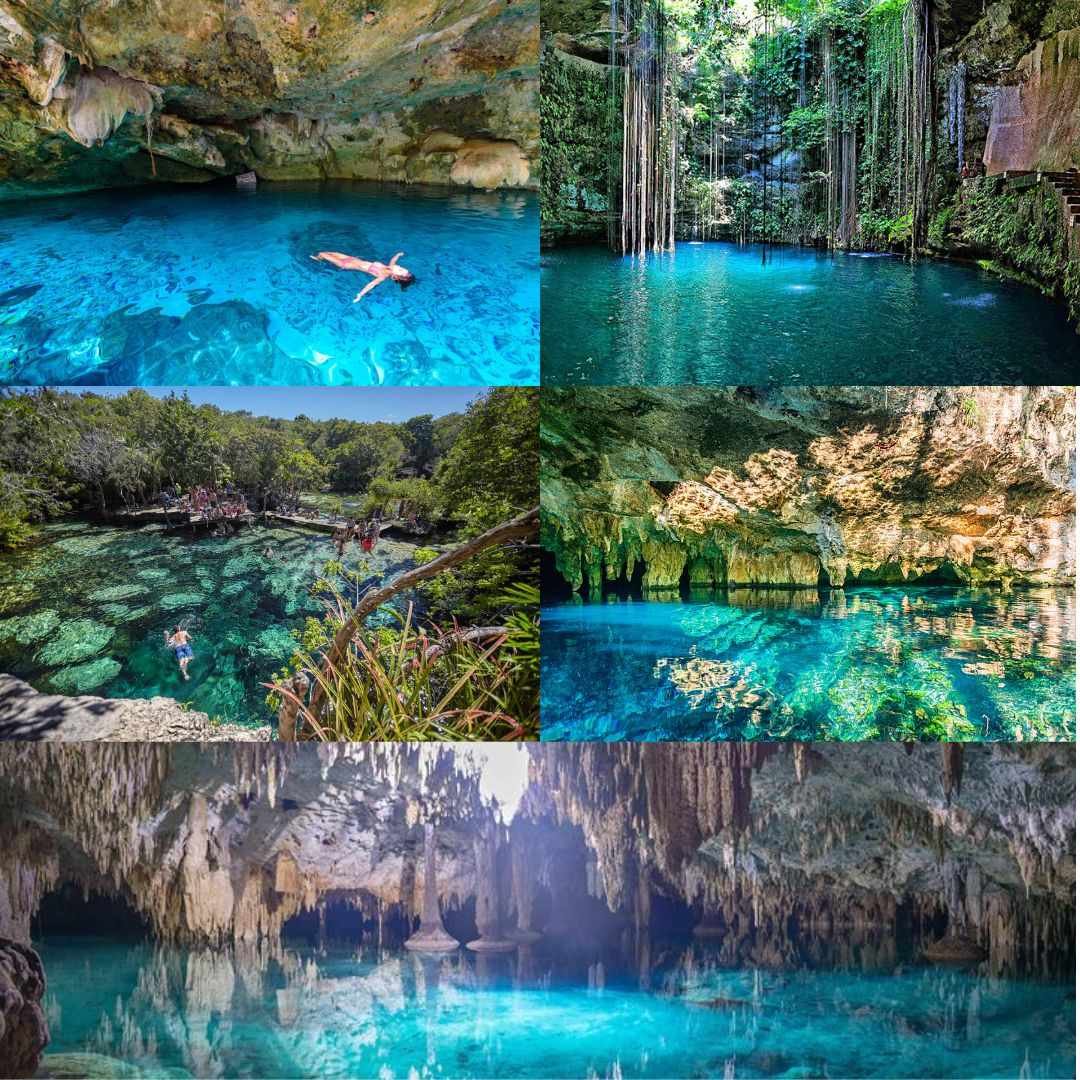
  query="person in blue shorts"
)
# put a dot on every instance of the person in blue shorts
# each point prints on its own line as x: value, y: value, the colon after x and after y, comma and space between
x: 180, y: 643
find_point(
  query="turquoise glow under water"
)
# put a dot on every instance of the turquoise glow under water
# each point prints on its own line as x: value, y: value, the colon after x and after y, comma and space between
x: 210, y: 286
x: 84, y: 611
x: 852, y: 664
x: 389, y: 1014
x: 712, y: 314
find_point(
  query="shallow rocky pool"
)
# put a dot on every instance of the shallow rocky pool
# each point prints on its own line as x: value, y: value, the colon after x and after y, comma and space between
x: 85, y: 610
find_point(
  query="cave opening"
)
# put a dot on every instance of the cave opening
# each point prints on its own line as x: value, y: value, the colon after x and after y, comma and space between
x: 349, y: 919
x: 72, y: 910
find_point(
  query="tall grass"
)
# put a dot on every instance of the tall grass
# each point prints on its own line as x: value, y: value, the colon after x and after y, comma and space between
x: 411, y: 683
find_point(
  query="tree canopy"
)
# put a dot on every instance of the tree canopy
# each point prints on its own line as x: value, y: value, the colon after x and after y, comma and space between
x: 63, y: 452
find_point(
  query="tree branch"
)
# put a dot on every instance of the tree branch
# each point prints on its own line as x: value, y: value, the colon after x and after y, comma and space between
x: 518, y: 528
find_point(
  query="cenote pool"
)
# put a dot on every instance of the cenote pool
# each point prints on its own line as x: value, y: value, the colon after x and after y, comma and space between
x: 211, y: 286
x: 866, y: 663
x: 84, y: 610
x: 336, y: 1012
x: 711, y: 313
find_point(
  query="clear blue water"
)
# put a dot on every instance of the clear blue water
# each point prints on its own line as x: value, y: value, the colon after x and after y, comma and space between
x: 389, y: 1014
x: 84, y: 610
x: 194, y: 286
x: 855, y: 664
x: 711, y: 313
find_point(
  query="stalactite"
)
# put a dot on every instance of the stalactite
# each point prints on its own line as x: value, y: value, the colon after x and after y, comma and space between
x: 431, y: 935
x: 952, y: 768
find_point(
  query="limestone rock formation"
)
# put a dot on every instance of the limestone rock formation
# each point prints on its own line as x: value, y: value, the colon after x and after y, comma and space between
x: 24, y: 1031
x: 222, y: 847
x: 814, y: 487
x: 26, y: 713
x: 124, y: 93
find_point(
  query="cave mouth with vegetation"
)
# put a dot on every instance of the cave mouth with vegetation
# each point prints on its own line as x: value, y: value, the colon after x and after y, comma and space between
x: 822, y: 191
x: 127, y: 515
x: 823, y: 563
x: 302, y: 911
x: 166, y: 172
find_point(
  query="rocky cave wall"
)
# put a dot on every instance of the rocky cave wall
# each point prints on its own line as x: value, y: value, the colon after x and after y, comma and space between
x: 215, y: 844
x: 413, y: 90
x: 811, y: 487
x: 975, y: 845
x: 840, y: 838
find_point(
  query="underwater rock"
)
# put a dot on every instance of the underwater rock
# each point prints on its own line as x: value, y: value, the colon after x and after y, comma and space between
x: 172, y: 601
x: 84, y: 677
x: 24, y: 1031
x: 31, y: 628
x: 78, y: 639
x: 117, y: 592
x: 86, y: 1066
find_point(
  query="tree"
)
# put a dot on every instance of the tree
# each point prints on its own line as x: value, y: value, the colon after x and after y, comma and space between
x: 378, y: 452
x: 97, y: 459
x: 490, y: 472
x: 420, y: 443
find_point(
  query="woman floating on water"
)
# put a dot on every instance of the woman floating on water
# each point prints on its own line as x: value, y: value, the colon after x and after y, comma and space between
x: 180, y: 643
x: 379, y: 271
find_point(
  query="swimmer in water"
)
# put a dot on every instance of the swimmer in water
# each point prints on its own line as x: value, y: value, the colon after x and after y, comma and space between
x: 381, y: 272
x: 180, y: 643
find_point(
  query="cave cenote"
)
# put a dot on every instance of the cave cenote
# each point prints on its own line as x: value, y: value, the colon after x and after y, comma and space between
x: 714, y: 313
x: 852, y: 664
x: 350, y: 1011
x: 84, y: 610
x: 214, y: 286
x: 546, y: 910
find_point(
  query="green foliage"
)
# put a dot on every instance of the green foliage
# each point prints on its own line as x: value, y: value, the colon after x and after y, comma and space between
x: 575, y: 141
x: 405, y: 683
x: 1024, y: 230
x: 60, y: 451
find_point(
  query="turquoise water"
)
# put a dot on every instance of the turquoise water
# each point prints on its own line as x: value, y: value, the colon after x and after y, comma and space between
x: 210, y: 286
x: 389, y: 1014
x: 84, y: 611
x: 711, y: 313
x: 865, y: 663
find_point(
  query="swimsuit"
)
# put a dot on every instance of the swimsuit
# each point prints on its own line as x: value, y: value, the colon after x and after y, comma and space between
x: 183, y: 652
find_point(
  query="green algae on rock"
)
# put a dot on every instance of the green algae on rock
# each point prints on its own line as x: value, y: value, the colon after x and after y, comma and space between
x: 78, y: 639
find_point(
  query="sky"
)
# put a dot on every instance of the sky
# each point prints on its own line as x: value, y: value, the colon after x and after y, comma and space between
x: 390, y: 403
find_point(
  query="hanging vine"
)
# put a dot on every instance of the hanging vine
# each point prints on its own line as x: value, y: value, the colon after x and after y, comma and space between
x: 643, y: 178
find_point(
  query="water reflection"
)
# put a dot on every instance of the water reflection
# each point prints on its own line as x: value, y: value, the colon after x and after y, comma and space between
x: 931, y: 322
x: 963, y: 664
x: 649, y: 1008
